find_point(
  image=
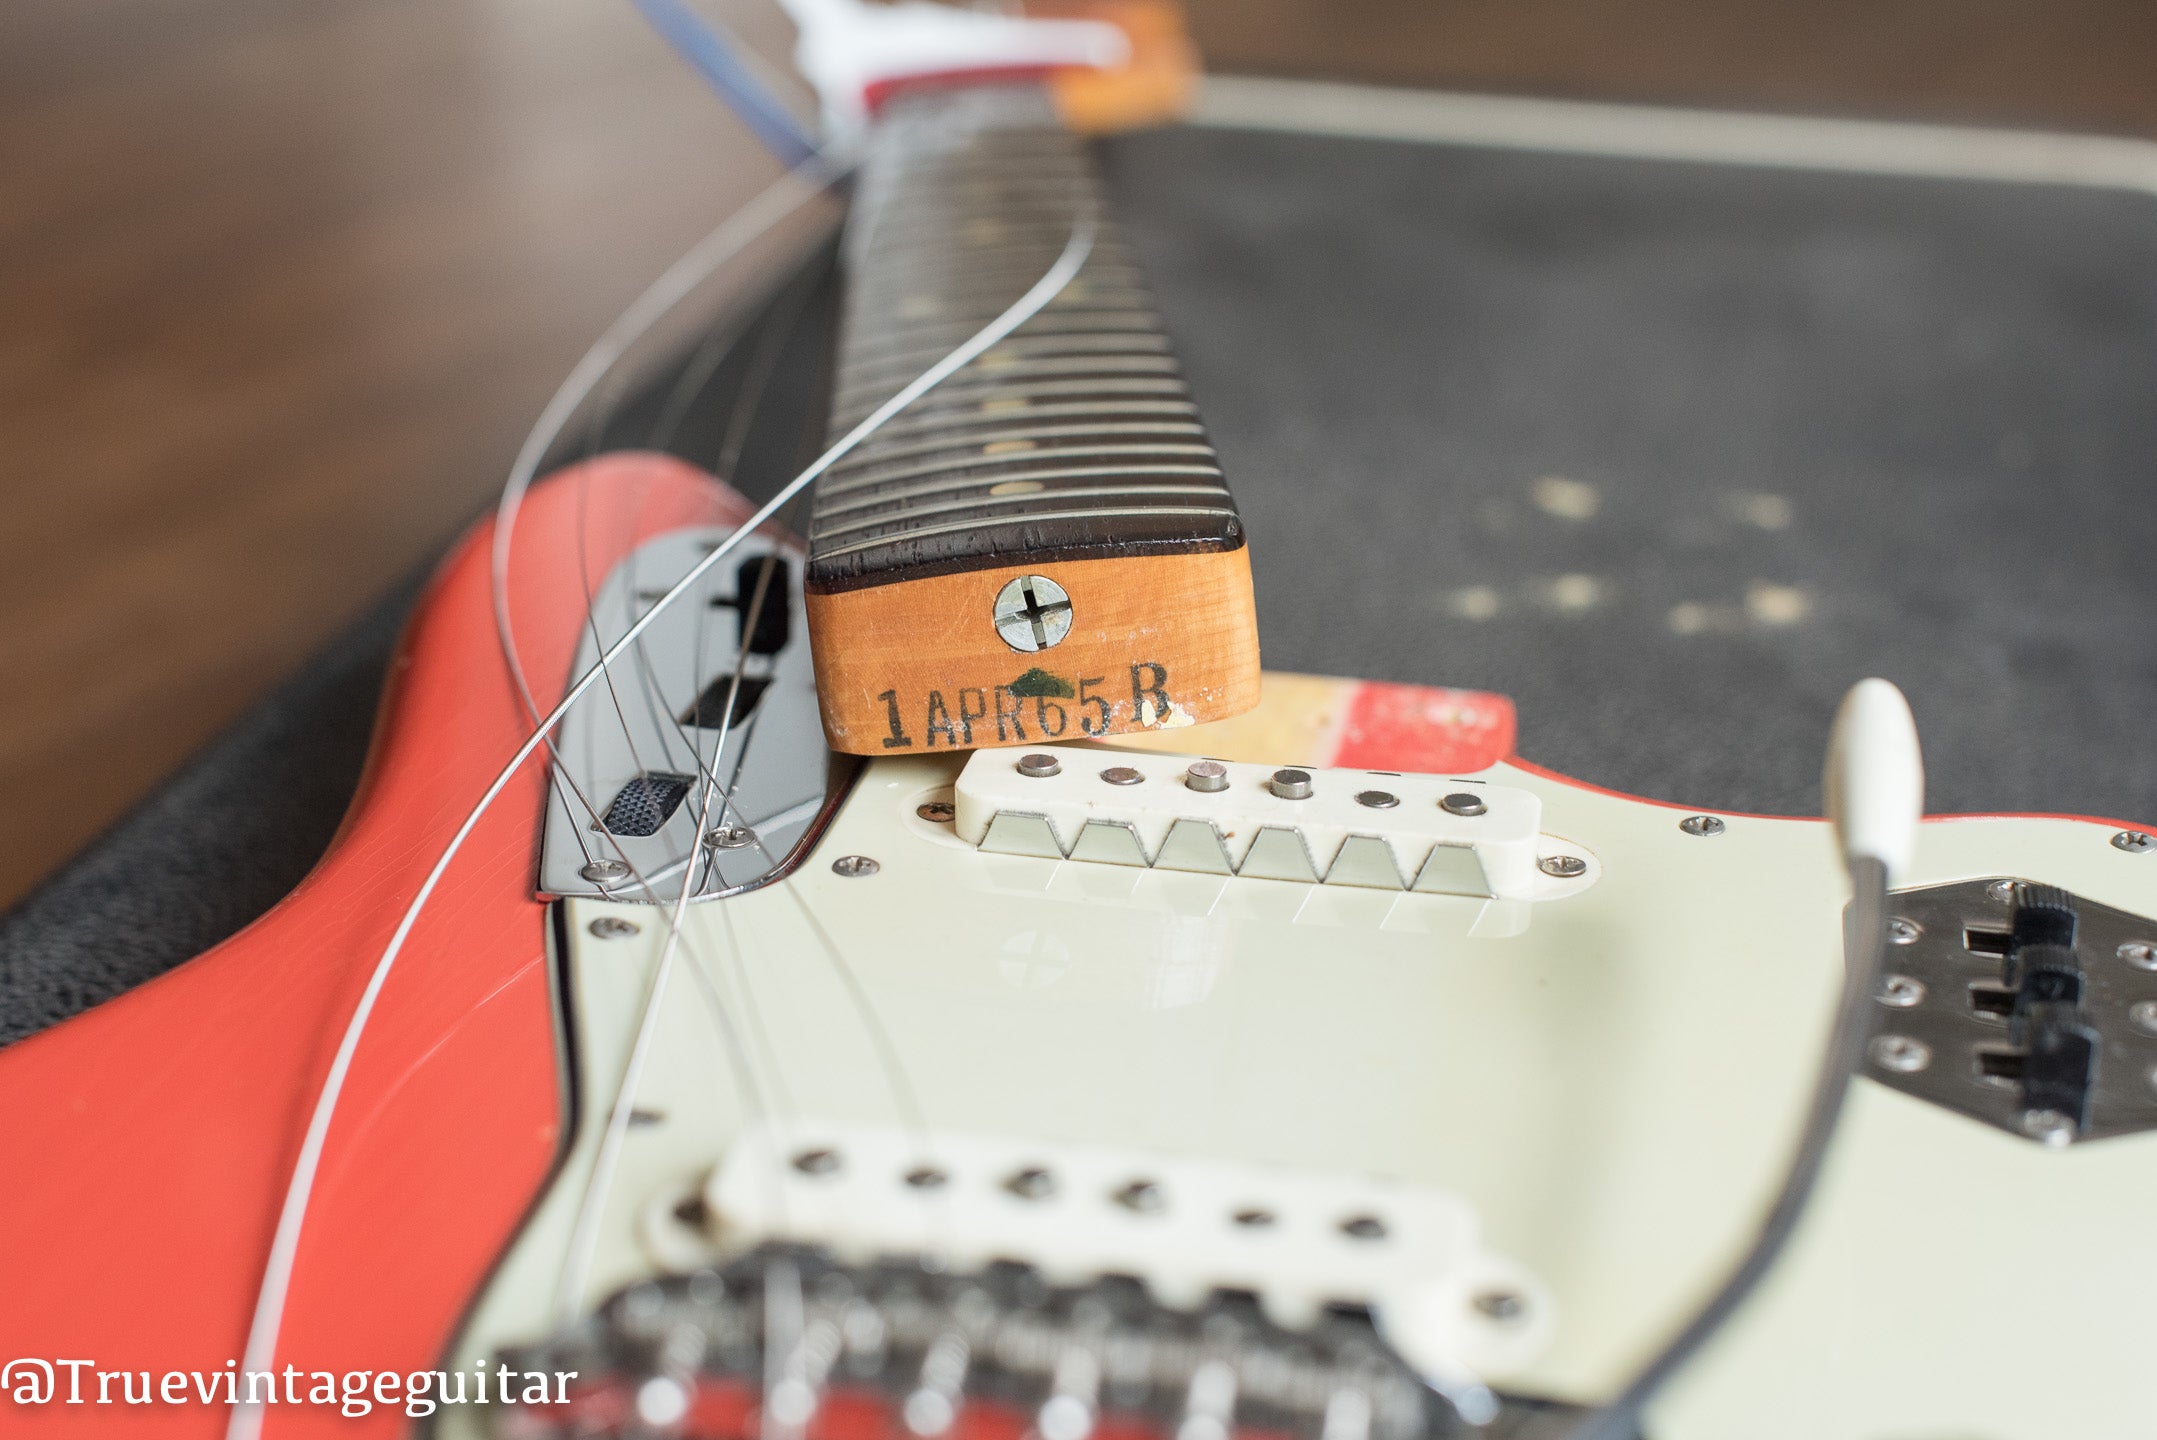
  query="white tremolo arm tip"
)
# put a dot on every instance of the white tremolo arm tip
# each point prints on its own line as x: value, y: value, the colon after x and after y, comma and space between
x: 1875, y: 778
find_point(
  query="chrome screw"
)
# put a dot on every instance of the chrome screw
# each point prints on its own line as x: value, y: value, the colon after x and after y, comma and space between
x: 730, y: 837
x: 1377, y: 799
x: 2049, y: 1126
x: 939, y: 811
x: 1703, y: 825
x: 1364, y: 1227
x: 1145, y: 1196
x: 854, y: 867
x: 1040, y: 767
x: 1503, y: 1306
x: 1903, y: 932
x: 2139, y: 953
x: 599, y: 872
x: 1562, y: 867
x: 1032, y: 1183
x: 1463, y: 803
x: 1901, y: 1054
x: 1254, y: 1218
x: 2135, y: 842
x: 1901, y: 992
x: 2002, y: 891
x: 1122, y: 775
x: 1208, y: 777
x: 1291, y: 784
x: 817, y: 1162
x: 1033, y: 612
x: 927, y: 1177
x: 613, y: 927
x: 2143, y: 1016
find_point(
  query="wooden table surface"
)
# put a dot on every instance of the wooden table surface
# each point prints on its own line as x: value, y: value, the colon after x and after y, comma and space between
x: 284, y: 285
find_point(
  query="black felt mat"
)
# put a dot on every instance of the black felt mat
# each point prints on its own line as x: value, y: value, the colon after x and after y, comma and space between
x: 1670, y: 454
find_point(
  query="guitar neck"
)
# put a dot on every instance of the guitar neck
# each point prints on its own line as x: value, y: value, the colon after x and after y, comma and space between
x: 1053, y: 512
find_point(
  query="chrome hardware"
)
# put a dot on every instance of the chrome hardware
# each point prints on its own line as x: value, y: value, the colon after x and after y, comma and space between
x: 1208, y: 777
x: 2004, y: 1047
x: 1032, y: 612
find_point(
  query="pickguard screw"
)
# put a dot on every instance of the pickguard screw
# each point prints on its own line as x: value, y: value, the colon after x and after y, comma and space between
x: 1901, y: 1054
x: 1903, y: 932
x: 1901, y: 991
x: 1703, y: 825
x: 1253, y: 1218
x: 854, y: 867
x: 1040, y: 767
x: 1032, y: 612
x: 1122, y: 775
x: 1291, y: 784
x: 1144, y: 1196
x: 1208, y: 777
x: 817, y: 1162
x: 2139, y: 953
x: 927, y: 1177
x: 1364, y: 1227
x: 2143, y: 1016
x: 613, y: 927
x: 2049, y: 1126
x: 730, y: 837
x: 1562, y: 867
x: 1377, y: 799
x: 1463, y: 804
x: 1503, y: 1306
x: 599, y: 872
x: 939, y: 811
x: 2002, y: 891
x: 2135, y: 842
x: 1032, y: 1183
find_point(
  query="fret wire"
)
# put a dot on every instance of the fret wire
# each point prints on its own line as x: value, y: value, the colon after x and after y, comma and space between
x: 1109, y: 343
x: 1013, y: 465
x: 1000, y: 426
x: 1227, y: 512
x: 991, y: 388
x: 977, y: 440
x: 1023, y: 411
x: 1183, y: 474
x: 1109, y: 365
x: 997, y: 502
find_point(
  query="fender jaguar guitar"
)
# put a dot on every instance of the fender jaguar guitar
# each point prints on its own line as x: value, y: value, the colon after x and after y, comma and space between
x: 884, y: 962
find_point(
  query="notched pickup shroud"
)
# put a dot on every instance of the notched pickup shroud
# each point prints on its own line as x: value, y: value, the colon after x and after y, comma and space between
x: 1069, y: 453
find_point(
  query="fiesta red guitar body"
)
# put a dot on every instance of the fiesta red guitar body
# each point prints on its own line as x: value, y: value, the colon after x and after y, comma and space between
x: 148, y: 1142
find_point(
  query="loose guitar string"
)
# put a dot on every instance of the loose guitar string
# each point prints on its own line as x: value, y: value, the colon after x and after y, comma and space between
x: 591, y: 1211
x: 770, y: 342
x: 761, y: 216
x: 261, y: 1347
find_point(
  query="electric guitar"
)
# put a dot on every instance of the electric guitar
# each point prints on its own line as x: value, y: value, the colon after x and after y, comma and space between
x: 884, y: 963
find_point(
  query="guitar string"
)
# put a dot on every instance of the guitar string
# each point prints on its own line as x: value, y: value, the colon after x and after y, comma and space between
x: 781, y: 200
x: 572, y: 1276
x: 770, y: 338
x: 577, y: 1258
x: 260, y: 1352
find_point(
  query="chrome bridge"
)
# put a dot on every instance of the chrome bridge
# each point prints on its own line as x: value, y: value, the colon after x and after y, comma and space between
x: 784, y: 1342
